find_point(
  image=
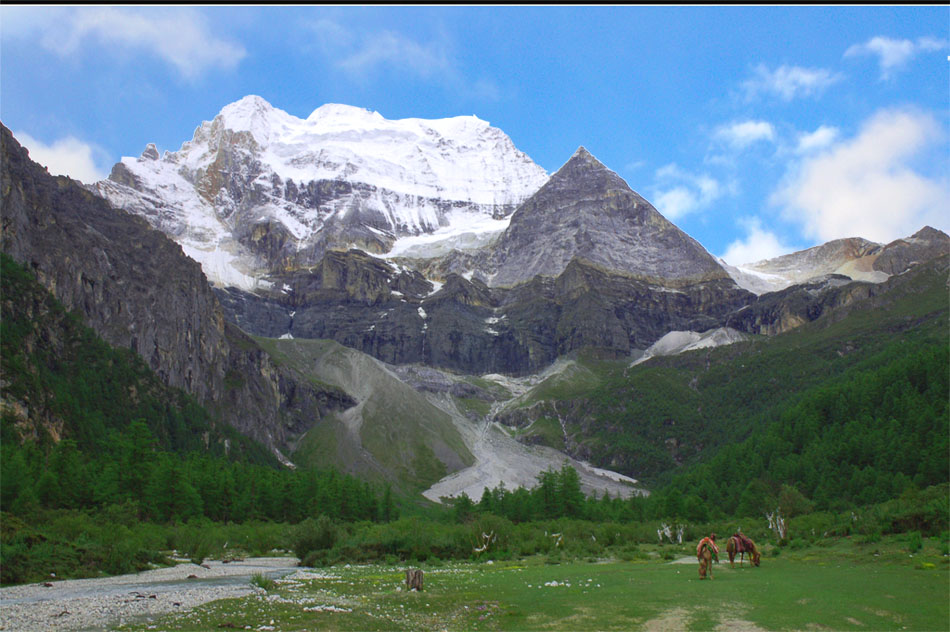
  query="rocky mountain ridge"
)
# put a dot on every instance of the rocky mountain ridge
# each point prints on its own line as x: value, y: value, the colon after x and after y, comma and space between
x: 137, y: 289
x: 855, y: 258
x: 257, y: 190
x: 516, y: 269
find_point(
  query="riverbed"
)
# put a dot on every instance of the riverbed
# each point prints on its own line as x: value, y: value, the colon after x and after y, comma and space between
x: 97, y: 603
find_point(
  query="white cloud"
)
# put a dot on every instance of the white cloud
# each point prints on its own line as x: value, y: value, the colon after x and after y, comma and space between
x: 789, y: 82
x: 634, y: 165
x: 744, y: 134
x: 362, y: 53
x: 817, y: 140
x: 179, y: 36
x: 679, y: 193
x: 389, y: 48
x: 757, y: 245
x: 894, y: 54
x: 65, y: 157
x: 865, y: 186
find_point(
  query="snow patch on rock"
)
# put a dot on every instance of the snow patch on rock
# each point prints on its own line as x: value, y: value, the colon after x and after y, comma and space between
x: 676, y: 342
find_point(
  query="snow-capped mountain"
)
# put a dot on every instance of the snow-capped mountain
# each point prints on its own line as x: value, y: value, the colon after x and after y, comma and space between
x: 258, y: 189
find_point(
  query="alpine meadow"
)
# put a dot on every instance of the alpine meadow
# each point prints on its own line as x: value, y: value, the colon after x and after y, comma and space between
x: 340, y: 371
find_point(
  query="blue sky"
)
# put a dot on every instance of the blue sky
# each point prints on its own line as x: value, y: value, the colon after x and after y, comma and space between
x: 757, y: 130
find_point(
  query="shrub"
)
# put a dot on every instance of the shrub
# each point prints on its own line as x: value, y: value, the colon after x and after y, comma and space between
x: 914, y: 542
x: 314, y: 535
x: 262, y: 581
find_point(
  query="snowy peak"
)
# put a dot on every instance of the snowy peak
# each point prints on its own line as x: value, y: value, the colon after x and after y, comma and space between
x: 252, y: 114
x: 340, y: 111
x: 258, y: 190
x: 460, y: 159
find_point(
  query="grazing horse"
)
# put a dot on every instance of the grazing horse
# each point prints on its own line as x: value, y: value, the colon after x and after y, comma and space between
x: 705, y: 563
x: 742, y: 544
x: 706, y: 551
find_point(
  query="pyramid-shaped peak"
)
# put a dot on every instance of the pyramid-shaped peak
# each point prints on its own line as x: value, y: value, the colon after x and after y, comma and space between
x: 930, y: 233
x: 583, y: 170
x: 584, y: 156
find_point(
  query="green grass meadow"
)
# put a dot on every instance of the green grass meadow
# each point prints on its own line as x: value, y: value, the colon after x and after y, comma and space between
x: 847, y: 587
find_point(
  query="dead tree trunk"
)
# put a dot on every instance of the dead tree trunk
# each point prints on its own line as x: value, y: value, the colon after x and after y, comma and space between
x: 414, y: 579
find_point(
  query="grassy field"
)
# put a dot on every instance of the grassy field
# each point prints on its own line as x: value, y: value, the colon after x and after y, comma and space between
x: 845, y: 586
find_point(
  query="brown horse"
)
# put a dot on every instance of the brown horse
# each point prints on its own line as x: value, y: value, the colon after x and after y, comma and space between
x: 742, y: 545
x: 705, y: 563
x: 707, y: 551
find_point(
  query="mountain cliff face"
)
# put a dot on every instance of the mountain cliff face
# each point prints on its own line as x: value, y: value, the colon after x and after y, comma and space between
x: 438, y: 242
x: 258, y: 190
x: 588, y: 213
x: 585, y: 262
x: 138, y: 290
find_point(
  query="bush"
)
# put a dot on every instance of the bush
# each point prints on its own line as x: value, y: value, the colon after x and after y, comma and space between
x: 314, y: 535
x: 262, y: 581
x: 797, y: 544
x: 914, y: 542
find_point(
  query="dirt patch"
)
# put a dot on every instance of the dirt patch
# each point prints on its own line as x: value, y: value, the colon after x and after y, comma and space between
x: 885, y: 614
x: 737, y: 625
x: 676, y: 619
x: 733, y: 621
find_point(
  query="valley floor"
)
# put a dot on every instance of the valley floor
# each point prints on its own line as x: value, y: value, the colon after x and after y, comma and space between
x: 847, y: 586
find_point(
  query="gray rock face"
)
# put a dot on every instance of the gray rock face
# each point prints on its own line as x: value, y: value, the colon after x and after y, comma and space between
x: 587, y: 212
x: 924, y: 245
x: 586, y: 262
x: 820, y: 260
x: 138, y: 290
x: 466, y: 326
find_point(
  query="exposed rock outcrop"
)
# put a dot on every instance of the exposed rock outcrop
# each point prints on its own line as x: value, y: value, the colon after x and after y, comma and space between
x: 138, y: 290
x: 587, y: 212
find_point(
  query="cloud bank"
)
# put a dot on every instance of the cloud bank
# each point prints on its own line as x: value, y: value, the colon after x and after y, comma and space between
x: 894, y: 54
x: 758, y: 244
x: 867, y: 185
x: 789, y: 82
x: 180, y: 37
x: 65, y: 157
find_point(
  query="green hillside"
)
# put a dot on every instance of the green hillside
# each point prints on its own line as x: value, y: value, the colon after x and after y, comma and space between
x: 653, y: 419
x: 90, y: 430
x: 394, y: 433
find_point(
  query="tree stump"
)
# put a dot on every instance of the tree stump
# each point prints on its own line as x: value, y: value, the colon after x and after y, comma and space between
x: 414, y: 579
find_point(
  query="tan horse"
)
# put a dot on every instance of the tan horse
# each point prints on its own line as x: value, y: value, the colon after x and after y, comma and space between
x: 735, y: 545
x: 707, y: 552
x: 705, y: 563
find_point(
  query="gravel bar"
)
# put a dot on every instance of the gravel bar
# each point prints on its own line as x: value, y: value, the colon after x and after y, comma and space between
x: 97, y: 603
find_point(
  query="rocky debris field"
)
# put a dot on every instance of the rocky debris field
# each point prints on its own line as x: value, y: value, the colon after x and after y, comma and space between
x: 83, y: 604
